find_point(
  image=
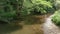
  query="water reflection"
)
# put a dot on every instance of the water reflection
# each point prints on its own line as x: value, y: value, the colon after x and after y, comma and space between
x: 7, y: 29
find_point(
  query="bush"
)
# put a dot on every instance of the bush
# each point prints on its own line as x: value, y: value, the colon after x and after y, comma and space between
x: 10, y: 10
x: 36, y: 7
x: 56, y: 17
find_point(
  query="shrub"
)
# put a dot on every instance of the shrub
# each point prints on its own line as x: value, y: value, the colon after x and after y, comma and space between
x: 37, y: 7
x: 10, y: 10
x: 56, y: 17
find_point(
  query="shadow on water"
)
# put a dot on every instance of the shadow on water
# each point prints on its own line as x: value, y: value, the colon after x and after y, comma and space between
x: 6, y: 29
x: 35, y: 19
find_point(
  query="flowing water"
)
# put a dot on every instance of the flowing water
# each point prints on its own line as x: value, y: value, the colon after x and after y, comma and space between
x: 49, y: 27
x: 46, y: 28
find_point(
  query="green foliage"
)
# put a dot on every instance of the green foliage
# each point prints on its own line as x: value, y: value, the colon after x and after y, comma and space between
x: 56, y: 17
x: 6, y: 12
x: 17, y: 8
x: 42, y: 2
x: 41, y: 6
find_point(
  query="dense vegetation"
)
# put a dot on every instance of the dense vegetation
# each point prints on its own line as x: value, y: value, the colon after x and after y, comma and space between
x: 56, y: 15
x: 16, y: 9
x: 29, y: 16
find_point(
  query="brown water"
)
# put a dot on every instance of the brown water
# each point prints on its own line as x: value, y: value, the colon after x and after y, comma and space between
x: 46, y: 28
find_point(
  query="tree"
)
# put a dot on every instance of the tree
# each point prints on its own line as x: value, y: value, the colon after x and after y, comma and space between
x: 15, y: 9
